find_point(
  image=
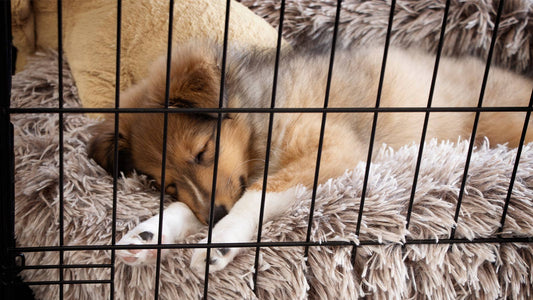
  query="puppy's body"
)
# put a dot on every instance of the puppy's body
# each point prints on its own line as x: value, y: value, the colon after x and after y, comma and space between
x: 302, y: 81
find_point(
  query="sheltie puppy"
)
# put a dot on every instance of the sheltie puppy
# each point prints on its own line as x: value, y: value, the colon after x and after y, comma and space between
x: 195, y: 82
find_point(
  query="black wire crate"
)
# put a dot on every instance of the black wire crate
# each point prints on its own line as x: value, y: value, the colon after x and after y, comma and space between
x: 342, y: 237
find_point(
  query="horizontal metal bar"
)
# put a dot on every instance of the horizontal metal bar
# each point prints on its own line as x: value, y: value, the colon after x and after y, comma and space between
x: 272, y: 244
x: 79, y: 266
x: 77, y: 110
x: 50, y: 282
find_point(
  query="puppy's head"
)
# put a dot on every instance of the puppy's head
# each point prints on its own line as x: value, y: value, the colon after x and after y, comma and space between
x: 191, y: 138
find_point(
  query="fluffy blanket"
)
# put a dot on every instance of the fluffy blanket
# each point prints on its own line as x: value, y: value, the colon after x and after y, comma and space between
x: 470, y: 23
x: 393, y: 270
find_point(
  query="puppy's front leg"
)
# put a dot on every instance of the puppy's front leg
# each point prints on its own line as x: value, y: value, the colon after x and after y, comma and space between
x: 240, y: 225
x: 178, y: 222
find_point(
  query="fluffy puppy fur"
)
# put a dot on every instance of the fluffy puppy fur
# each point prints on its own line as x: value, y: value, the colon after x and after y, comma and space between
x: 302, y: 79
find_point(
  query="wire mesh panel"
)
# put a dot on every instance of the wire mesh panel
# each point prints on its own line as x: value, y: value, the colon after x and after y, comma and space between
x: 6, y: 149
x: 358, y: 248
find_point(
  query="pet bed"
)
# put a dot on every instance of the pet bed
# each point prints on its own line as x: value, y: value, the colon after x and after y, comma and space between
x: 394, y: 270
x: 309, y: 24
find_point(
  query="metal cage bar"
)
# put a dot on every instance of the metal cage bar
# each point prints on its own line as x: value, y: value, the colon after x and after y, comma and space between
x: 8, y: 268
x: 116, y: 152
x: 217, y: 145
x: 373, y: 130
x: 164, y: 146
x: 61, y: 142
x: 476, y: 118
x: 426, y: 117
x: 278, y: 110
x: 322, y: 126
x: 269, y: 140
x: 274, y: 244
x: 516, y: 163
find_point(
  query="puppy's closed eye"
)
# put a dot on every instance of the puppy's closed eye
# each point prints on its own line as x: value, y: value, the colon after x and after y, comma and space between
x: 181, y: 103
x: 199, y: 158
x: 203, y: 156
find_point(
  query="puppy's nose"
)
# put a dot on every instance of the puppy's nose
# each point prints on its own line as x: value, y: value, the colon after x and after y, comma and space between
x: 220, y: 212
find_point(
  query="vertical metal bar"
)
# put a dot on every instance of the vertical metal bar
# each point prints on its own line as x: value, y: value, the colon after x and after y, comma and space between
x: 476, y: 119
x: 217, y: 146
x: 7, y: 203
x: 516, y: 162
x: 269, y: 140
x: 323, y: 126
x: 426, y: 117
x: 374, y: 124
x: 116, y: 158
x: 164, y: 152
x: 61, y: 148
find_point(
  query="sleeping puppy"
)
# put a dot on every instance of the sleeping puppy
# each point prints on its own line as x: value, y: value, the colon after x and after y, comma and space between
x: 302, y: 81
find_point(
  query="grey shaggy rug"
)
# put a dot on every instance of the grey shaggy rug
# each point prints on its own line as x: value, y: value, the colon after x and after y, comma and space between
x: 309, y: 23
x: 390, y: 271
x: 484, y: 271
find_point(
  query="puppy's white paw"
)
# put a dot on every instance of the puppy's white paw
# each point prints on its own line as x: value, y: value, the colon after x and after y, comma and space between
x: 240, y: 226
x: 144, y: 234
x: 231, y: 229
x: 219, y: 258
x: 178, y: 222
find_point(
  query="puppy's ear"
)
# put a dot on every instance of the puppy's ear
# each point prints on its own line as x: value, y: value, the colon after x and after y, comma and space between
x: 102, y: 148
x: 197, y: 85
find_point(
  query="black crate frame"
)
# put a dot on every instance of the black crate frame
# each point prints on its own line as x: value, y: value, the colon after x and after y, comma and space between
x: 11, y: 257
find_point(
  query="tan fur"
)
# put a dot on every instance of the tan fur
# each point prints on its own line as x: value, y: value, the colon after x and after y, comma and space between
x: 195, y: 82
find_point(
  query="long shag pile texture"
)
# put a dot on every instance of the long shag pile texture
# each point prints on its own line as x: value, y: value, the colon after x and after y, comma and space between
x: 470, y: 24
x: 393, y: 270
x: 434, y: 271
